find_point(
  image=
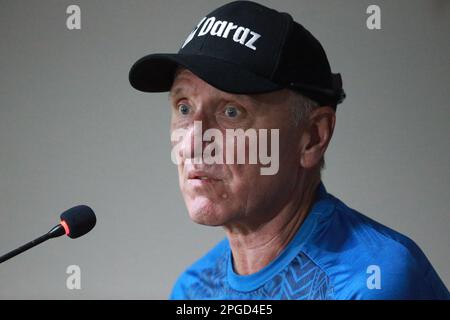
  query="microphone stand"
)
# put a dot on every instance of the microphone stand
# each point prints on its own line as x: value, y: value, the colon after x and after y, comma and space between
x: 55, y: 232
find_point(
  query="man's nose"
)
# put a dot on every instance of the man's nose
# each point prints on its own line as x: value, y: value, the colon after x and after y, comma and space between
x: 193, y: 144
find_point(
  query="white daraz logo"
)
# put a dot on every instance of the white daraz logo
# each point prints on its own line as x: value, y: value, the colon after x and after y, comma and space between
x: 219, y: 28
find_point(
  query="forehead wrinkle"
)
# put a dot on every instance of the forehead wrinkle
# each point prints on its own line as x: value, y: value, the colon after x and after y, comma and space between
x: 181, y: 75
x: 192, y: 90
x: 183, y: 84
x: 177, y: 90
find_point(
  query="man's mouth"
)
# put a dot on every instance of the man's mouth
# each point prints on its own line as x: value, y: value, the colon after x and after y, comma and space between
x: 202, y: 176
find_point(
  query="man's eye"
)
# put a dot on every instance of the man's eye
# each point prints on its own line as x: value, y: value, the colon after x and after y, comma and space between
x: 184, y: 109
x: 231, y: 112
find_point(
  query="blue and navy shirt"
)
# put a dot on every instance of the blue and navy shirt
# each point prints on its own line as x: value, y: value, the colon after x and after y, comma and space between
x: 337, y: 253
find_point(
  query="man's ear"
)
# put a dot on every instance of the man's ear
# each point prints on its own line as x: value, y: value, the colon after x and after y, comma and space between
x: 318, y: 130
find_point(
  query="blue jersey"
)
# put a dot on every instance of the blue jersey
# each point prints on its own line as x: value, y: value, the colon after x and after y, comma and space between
x: 337, y: 253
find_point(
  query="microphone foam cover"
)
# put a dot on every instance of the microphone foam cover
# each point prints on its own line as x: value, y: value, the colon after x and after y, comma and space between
x: 80, y: 220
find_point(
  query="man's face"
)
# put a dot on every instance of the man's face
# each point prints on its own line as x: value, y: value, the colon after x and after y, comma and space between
x: 232, y: 194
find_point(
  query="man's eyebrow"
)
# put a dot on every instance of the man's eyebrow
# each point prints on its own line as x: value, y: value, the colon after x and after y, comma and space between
x: 175, y: 92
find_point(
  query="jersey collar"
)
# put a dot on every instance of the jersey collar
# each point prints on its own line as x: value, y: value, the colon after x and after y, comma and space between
x: 246, y: 283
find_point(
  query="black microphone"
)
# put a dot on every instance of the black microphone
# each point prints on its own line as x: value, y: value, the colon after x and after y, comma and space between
x: 75, y: 222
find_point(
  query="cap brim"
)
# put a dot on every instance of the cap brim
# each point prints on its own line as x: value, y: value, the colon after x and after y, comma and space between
x: 155, y: 73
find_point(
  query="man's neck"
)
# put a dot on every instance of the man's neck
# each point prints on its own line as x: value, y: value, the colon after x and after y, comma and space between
x: 253, y: 250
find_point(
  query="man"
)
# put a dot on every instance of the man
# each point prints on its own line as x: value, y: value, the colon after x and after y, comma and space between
x: 249, y: 67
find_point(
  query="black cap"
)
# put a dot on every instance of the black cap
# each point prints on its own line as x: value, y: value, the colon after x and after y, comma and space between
x: 245, y: 48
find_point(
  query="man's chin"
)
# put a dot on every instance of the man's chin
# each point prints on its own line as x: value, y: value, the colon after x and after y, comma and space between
x: 206, y: 218
x: 207, y: 213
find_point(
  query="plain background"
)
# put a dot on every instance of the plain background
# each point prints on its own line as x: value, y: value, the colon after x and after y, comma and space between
x: 73, y: 131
